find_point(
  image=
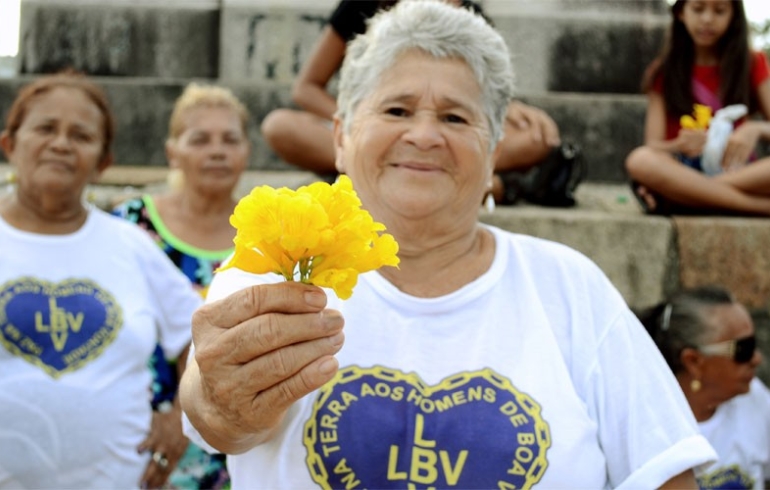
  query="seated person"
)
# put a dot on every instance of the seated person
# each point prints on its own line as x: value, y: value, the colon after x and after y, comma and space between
x: 709, y: 342
x: 304, y: 137
x: 714, y: 71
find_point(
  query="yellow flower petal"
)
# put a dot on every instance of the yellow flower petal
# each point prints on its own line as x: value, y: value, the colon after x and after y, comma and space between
x: 317, y: 234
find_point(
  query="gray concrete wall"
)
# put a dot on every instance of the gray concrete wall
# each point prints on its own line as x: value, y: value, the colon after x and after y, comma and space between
x: 117, y: 39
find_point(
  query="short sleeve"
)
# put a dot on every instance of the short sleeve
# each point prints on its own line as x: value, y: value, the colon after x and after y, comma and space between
x: 760, y: 71
x: 350, y: 16
x: 175, y: 298
x: 646, y: 427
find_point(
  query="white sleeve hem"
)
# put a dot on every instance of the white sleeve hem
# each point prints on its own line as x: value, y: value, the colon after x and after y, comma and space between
x: 694, y: 452
x: 191, y: 433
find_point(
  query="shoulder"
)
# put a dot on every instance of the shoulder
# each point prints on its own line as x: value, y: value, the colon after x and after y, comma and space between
x: 760, y: 70
x: 124, y: 232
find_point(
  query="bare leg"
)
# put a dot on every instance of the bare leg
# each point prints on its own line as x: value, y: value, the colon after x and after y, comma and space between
x: 754, y: 178
x: 661, y: 173
x: 300, y: 138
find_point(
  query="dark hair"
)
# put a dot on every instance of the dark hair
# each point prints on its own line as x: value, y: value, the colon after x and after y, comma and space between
x: 680, y: 322
x: 66, y: 79
x: 677, y: 57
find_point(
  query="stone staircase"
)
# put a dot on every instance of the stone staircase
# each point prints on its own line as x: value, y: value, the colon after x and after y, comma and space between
x: 580, y: 60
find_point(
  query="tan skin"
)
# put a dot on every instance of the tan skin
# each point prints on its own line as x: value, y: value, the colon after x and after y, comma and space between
x: 304, y: 137
x: 212, y: 152
x: 57, y: 151
x: 742, y: 188
x: 720, y: 377
x: 263, y: 348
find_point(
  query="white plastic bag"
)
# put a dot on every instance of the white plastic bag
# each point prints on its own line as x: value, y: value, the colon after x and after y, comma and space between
x: 719, y: 131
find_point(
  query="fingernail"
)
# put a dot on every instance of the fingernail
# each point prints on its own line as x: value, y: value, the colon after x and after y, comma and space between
x: 315, y: 298
x: 331, y: 318
x: 337, y: 339
x: 328, y: 366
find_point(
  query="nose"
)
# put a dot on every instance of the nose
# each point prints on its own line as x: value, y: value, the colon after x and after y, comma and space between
x: 424, y: 132
x: 61, y: 141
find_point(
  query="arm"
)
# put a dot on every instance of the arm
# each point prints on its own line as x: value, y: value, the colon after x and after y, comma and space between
x: 745, y: 137
x: 689, y: 142
x: 309, y: 89
x: 536, y: 121
x: 256, y: 353
x: 681, y: 481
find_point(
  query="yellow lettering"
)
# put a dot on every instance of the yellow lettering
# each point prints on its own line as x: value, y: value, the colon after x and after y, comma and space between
x: 329, y: 422
x: 444, y: 404
x: 504, y: 485
x: 414, y: 396
x: 328, y: 436
x: 397, y: 394
x: 366, y: 390
x: 348, y: 398
x: 382, y: 389
x: 458, y: 397
x: 392, y: 464
x: 453, y: 473
x: 75, y: 322
x: 474, y: 393
x: 518, y: 419
x: 330, y: 449
x: 526, y: 438
x: 517, y: 469
x: 336, y: 408
x: 509, y: 408
x: 423, y: 468
x: 419, y: 426
x: 524, y: 454
x: 490, y: 395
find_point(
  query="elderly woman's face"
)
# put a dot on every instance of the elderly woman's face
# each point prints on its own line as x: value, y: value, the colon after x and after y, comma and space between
x: 212, y: 150
x: 721, y: 373
x: 58, y: 146
x: 419, y: 143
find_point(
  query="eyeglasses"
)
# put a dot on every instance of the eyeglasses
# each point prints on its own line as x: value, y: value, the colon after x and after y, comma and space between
x: 740, y: 350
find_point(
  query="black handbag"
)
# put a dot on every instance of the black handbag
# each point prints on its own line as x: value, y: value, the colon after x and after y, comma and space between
x: 552, y: 182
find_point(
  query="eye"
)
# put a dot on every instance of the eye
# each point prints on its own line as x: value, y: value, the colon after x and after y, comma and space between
x: 396, y: 111
x: 455, y: 119
x: 44, y: 128
x: 82, y: 137
x: 232, y: 140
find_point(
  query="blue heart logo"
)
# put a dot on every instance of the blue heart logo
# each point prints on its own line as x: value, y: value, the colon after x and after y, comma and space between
x: 57, y: 326
x: 382, y: 428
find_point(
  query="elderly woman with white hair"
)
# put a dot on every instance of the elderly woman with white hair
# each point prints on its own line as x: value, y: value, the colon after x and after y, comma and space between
x: 485, y: 360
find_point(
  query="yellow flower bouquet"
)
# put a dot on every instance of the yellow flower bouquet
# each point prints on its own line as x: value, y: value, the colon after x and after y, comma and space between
x: 701, y: 120
x: 317, y: 235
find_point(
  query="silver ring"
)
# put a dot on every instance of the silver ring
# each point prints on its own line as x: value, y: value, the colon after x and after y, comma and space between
x: 160, y: 459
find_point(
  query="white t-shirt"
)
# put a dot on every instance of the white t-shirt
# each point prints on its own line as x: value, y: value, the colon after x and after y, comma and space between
x: 739, y: 431
x: 80, y: 315
x: 535, y: 373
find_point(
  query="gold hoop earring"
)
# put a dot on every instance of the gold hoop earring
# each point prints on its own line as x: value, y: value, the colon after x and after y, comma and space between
x: 175, y: 179
x: 695, y: 385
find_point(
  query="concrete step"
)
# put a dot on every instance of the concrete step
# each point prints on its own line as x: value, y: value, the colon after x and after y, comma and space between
x: 606, y: 126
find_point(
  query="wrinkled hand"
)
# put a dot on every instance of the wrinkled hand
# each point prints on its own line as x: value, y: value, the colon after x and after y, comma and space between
x: 740, y: 144
x: 535, y: 121
x: 165, y: 438
x: 690, y: 142
x: 260, y: 350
